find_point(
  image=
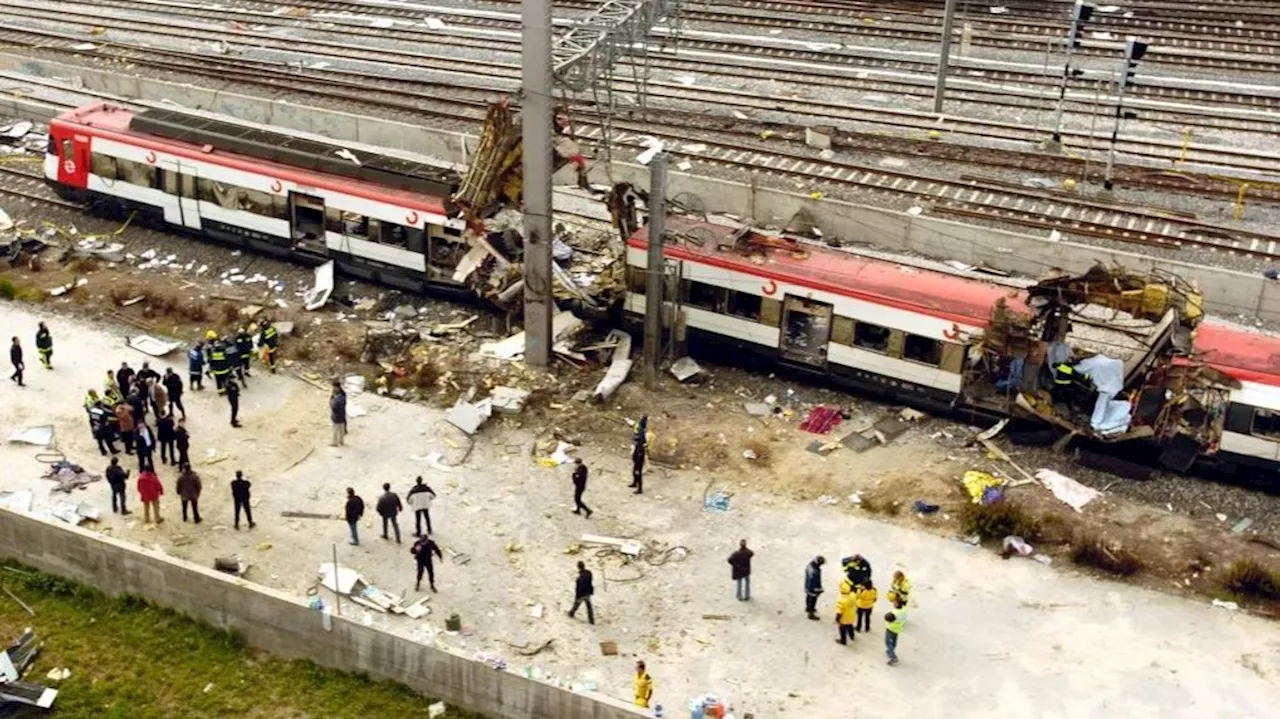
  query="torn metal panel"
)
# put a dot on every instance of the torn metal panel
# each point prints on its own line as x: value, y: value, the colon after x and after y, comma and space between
x: 317, y: 296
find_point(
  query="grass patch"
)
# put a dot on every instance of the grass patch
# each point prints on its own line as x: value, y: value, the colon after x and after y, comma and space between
x: 1092, y: 550
x: 8, y: 290
x: 1247, y: 578
x: 999, y: 520
x: 160, y: 663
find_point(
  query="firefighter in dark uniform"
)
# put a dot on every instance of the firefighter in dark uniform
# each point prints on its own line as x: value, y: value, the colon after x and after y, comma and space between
x: 44, y: 344
x: 269, y: 339
x: 232, y: 350
x: 244, y: 347
x: 218, y: 365
x: 1070, y: 385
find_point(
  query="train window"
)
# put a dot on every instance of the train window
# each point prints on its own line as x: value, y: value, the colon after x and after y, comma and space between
x: 205, y: 191
x: 952, y: 357
x: 637, y: 280
x: 1266, y: 424
x: 68, y: 150
x: 922, y: 349
x: 136, y: 173
x: 103, y: 166
x: 333, y: 219
x: 842, y: 330
x: 169, y: 182
x: 393, y: 234
x: 188, y: 185
x: 872, y: 337
x: 745, y: 305
x: 452, y: 232
x: 703, y: 296
x: 259, y: 203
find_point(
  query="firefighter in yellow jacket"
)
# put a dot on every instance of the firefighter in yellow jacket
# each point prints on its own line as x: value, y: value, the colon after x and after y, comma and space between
x: 846, y: 614
x: 644, y: 686
x: 866, y: 601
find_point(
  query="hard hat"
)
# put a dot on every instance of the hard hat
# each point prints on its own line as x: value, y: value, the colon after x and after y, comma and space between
x: 211, y: 335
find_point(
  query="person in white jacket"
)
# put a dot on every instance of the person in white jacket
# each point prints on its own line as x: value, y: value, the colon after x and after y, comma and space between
x: 420, y: 498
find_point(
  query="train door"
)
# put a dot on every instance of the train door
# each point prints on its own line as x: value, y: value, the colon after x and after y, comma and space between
x: 806, y: 329
x: 73, y: 161
x: 306, y: 223
x: 179, y: 183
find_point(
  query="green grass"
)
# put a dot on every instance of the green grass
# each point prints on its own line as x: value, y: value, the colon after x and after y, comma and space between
x: 130, y: 660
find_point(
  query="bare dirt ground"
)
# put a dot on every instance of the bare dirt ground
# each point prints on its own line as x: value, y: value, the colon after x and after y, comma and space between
x: 985, y: 635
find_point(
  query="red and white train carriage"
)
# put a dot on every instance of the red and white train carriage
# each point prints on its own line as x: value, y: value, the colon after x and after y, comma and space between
x: 898, y: 330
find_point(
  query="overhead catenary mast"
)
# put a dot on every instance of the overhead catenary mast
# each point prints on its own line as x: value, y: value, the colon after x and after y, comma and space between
x: 582, y: 58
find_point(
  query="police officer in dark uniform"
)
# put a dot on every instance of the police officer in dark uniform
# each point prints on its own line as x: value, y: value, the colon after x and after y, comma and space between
x: 195, y: 365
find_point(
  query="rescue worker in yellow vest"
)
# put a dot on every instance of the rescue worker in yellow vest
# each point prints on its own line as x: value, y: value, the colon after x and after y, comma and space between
x: 1070, y: 385
x: 644, y: 686
x: 268, y: 339
x: 91, y: 400
x: 846, y: 614
x: 893, y: 624
x: 866, y: 602
x: 900, y: 589
x: 219, y: 367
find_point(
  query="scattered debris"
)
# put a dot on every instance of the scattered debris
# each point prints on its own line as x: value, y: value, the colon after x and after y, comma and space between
x: 923, y: 507
x: 231, y: 565
x: 438, y: 708
x: 1229, y: 606
x: 21, y: 603
x: 14, y: 662
x: 620, y: 364
x: 508, y: 400
x: 717, y: 501
x: 976, y: 484
x: 1015, y: 545
x: 627, y: 547
x: 41, y: 436
x: 69, y: 476
x: 609, y: 648
x: 74, y: 513
x: 1242, y: 525
x: 152, y: 345
x: 58, y: 674
x: 469, y: 417
x: 819, y: 137
x: 821, y: 419
x: 685, y: 369
x: 757, y: 409
x: 20, y: 500
x: 1071, y: 492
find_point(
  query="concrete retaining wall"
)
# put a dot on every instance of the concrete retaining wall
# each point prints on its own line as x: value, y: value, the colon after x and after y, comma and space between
x: 1226, y: 292
x: 285, y: 626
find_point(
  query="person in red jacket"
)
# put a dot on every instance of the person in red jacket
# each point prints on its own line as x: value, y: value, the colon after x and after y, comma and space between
x: 149, y: 490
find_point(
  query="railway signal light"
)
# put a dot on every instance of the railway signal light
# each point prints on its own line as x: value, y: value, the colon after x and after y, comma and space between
x: 1081, y: 13
x: 1134, y: 50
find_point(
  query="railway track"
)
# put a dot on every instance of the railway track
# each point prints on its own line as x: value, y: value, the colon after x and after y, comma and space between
x: 29, y: 186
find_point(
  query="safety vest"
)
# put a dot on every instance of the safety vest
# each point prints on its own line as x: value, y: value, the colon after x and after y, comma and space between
x: 1063, y: 373
x: 90, y: 401
x: 218, y: 361
x: 899, y: 619
x: 269, y: 336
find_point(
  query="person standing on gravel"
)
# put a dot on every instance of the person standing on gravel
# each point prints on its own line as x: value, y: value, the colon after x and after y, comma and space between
x: 15, y: 358
x: 188, y: 489
x: 195, y: 368
x: 117, y: 476
x: 639, y: 445
x: 173, y: 387
x: 232, y: 389
x: 182, y: 440
x: 338, y: 414
x: 813, y: 586
x: 353, y: 511
x: 240, y: 496
x: 389, y: 507
x: 44, y: 345
x: 422, y: 551
x: 582, y: 591
x: 420, y: 497
x: 579, y: 486
x: 244, y: 348
x: 740, y: 561
x: 149, y: 491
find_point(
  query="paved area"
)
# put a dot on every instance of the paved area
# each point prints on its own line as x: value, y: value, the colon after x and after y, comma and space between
x: 987, y: 636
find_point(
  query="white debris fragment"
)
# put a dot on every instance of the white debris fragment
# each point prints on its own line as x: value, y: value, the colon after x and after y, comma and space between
x: 435, y: 23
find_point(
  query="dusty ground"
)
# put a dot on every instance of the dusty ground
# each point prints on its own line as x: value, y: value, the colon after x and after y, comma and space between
x: 1009, y: 636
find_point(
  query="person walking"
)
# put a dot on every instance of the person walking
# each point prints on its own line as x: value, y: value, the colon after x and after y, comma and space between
x: 353, y: 511
x: 893, y: 625
x: 579, y: 486
x: 117, y: 477
x: 173, y: 387
x: 388, y: 507
x: 813, y: 586
x: 638, y: 448
x: 867, y: 596
x: 582, y: 592
x: 244, y: 349
x: 420, y: 497
x: 15, y: 358
x: 233, y: 398
x: 124, y: 420
x: 188, y: 489
x: 338, y: 414
x: 740, y: 561
x: 195, y: 366
x: 182, y: 441
x: 268, y: 340
x: 167, y: 435
x: 150, y: 491
x: 644, y: 686
x: 124, y: 379
x: 422, y: 551
x: 145, y: 444
x: 44, y: 345
x: 846, y: 614
x: 240, y: 496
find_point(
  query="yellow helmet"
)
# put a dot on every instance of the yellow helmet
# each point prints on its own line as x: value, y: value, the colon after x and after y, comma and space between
x: 211, y: 335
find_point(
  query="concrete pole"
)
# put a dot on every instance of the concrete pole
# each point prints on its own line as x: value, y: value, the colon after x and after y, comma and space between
x: 1107, y: 183
x: 536, y: 118
x: 656, y: 271
x: 944, y: 56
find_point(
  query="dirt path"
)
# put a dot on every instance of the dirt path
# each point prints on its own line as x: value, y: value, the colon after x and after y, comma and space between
x: 987, y: 635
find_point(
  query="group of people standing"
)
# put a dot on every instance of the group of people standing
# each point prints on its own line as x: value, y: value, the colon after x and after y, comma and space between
x: 188, y: 488
x: 228, y: 361
x: 389, y: 507
x: 121, y: 412
x: 858, y: 596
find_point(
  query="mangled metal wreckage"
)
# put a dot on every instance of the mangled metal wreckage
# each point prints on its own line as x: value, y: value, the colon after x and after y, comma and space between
x: 1106, y: 355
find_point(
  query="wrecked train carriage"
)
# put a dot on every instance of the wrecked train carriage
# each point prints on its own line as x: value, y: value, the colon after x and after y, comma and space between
x: 956, y: 341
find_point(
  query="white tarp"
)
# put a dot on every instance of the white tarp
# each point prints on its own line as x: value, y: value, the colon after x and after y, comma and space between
x: 345, y: 581
x: 41, y: 436
x: 153, y: 346
x: 317, y: 296
x: 1109, y: 417
x: 1071, y: 492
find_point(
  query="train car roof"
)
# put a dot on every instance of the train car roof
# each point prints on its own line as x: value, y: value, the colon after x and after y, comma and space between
x: 384, y: 181
x: 915, y: 289
x: 1239, y: 352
